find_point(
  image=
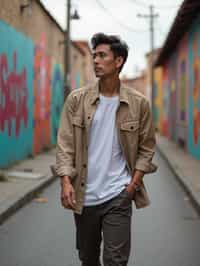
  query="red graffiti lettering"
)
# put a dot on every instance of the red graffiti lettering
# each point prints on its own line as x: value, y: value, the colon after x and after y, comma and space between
x: 42, y: 98
x: 13, y: 96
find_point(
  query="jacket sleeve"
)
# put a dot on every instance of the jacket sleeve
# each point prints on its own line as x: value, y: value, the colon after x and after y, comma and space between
x: 147, y: 141
x: 65, y: 153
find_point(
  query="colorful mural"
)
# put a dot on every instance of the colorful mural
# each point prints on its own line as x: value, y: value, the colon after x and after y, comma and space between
x: 16, y: 97
x: 42, y: 97
x: 194, y: 95
x: 178, y: 107
x: 76, y: 81
x: 172, y: 96
x: 158, y: 96
x: 182, y: 92
x: 31, y: 96
x: 56, y: 100
x: 166, y: 96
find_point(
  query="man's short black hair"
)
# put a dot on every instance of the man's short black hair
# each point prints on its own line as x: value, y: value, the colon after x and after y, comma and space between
x: 117, y: 46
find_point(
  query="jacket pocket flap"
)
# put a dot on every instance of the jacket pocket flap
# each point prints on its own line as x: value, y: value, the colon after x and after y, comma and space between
x: 130, y: 126
x: 78, y: 121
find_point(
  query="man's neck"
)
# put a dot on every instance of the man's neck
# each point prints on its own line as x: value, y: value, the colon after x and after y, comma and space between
x: 109, y: 87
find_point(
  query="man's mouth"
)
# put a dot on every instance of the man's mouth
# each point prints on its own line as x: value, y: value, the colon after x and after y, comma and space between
x: 97, y: 69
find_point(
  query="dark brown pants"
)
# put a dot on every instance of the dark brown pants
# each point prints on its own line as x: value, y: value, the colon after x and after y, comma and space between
x: 110, y: 220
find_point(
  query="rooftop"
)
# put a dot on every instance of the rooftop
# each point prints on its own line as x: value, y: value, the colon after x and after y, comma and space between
x: 187, y: 13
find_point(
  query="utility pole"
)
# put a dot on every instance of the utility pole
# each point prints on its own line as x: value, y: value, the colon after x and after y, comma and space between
x: 151, y: 16
x: 67, y: 70
x: 67, y: 53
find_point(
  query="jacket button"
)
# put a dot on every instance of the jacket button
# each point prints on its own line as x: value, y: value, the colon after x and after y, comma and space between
x: 88, y: 117
x: 131, y: 127
x: 84, y: 165
x: 82, y: 184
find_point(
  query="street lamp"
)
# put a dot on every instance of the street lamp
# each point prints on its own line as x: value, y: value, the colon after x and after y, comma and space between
x: 67, y: 81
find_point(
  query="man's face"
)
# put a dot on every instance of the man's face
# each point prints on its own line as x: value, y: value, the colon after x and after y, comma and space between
x: 105, y: 64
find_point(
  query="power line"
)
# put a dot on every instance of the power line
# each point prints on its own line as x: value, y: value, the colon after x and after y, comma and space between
x: 139, y: 3
x: 117, y: 20
x: 143, y: 4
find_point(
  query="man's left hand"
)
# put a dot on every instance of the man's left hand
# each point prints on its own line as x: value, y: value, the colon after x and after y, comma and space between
x: 131, y: 191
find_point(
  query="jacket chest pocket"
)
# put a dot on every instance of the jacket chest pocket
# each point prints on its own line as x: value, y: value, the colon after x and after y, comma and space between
x: 129, y: 132
x: 131, y: 127
x: 78, y: 128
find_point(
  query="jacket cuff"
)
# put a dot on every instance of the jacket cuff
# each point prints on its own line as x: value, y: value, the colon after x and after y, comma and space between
x: 65, y: 171
x: 146, y: 167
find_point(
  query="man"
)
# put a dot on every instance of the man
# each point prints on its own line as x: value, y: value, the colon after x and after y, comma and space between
x: 105, y: 146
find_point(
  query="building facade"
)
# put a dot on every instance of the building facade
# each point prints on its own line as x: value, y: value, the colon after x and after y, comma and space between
x: 31, y: 79
x: 177, y: 81
x: 138, y: 83
x: 82, y: 71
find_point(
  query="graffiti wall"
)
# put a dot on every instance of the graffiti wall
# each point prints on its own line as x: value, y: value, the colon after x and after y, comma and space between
x: 31, y: 96
x: 76, y: 79
x: 194, y: 89
x: 42, y: 97
x: 158, y: 94
x: 182, y: 92
x: 56, y: 100
x: 16, y: 95
x: 178, y: 106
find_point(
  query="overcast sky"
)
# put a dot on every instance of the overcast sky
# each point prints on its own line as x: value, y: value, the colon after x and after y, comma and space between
x: 119, y: 17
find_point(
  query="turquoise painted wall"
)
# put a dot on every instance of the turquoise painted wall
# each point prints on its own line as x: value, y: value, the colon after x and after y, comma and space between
x: 22, y: 99
x: 16, y: 94
x: 56, y: 100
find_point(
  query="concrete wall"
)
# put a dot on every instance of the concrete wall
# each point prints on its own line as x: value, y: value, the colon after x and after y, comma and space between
x: 177, y: 93
x: 31, y: 80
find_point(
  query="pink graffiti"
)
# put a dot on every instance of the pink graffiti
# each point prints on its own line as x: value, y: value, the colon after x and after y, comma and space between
x: 13, y: 96
x: 196, y: 92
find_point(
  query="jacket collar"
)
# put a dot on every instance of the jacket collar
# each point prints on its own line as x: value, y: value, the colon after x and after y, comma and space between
x: 123, y: 96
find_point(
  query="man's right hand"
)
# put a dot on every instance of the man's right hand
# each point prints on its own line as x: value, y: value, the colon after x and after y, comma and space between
x: 67, y: 193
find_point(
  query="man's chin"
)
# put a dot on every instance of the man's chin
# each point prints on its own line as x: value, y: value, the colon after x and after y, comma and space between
x: 99, y: 75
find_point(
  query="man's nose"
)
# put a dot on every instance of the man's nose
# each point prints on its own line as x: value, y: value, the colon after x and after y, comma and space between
x: 96, y: 59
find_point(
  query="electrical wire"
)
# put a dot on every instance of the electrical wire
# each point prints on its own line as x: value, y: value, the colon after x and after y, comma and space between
x: 143, y: 4
x: 119, y: 21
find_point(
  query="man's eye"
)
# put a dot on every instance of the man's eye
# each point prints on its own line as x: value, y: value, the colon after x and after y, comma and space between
x: 102, y: 55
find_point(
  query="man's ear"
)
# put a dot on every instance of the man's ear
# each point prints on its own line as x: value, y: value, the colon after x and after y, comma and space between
x: 119, y: 61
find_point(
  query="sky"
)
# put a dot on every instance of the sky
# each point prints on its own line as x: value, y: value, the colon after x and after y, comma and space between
x: 119, y: 17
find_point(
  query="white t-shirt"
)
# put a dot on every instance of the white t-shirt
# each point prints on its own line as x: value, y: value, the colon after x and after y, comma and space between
x: 107, y: 171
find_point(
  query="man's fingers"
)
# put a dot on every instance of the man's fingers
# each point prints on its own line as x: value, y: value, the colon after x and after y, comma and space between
x: 64, y: 202
x: 68, y: 198
x: 71, y: 199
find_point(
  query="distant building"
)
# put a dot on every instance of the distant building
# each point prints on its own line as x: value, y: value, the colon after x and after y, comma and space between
x: 177, y: 87
x: 149, y: 57
x: 82, y: 71
x: 138, y: 83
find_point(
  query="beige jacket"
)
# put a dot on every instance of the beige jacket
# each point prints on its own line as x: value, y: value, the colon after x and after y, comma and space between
x: 135, y: 130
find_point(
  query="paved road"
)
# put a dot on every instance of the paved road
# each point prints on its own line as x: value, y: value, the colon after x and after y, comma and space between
x: 165, y: 234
